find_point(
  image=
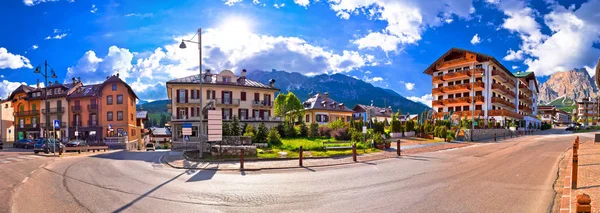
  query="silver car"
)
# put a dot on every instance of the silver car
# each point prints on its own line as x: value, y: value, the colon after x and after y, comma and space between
x: 150, y: 146
x: 52, y: 146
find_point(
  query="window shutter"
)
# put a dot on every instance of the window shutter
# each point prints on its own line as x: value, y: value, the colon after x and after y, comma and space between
x: 197, y: 94
x: 230, y: 113
x: 256, y: 97
x: 187, y: 113
x: 208, y: 94
x: 178, y: 113
x: 177, y: 97
x: 239, y: 115
x: 243, y: 96
x: 222, y: 113
x: 222, y: 96
x: 186, y: 96
x: 193, y: 112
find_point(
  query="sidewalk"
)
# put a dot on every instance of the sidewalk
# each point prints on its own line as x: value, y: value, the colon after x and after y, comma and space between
x: 588, y: 173
x: 178, y: 161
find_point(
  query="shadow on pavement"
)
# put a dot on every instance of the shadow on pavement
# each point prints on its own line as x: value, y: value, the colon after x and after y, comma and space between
x: 309, y: 169
x: 588, y: 187
x: 415, y: 158
x: 202, y: 175
x: 125, y: 155
x: 147, y: 193
x: 591, y: 164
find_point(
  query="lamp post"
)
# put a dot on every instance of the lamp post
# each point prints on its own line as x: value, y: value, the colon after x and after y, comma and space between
x: 183, y: 46
x: 38, y: 70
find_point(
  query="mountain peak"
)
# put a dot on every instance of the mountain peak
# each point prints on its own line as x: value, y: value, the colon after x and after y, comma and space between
x: 573, y: 84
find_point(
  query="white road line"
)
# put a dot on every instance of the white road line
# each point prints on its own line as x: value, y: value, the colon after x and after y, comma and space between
x: 25, y: 180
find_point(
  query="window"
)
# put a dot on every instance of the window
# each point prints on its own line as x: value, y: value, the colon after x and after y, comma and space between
x: 109, y: 100
x: 465, y: 108
x: 119, y: 99
x: 181, y: 96
x: 132, y: 132
x: 479, y: 66
x: 318, y: 118
x: 243, y: 113
x: 114, y: 87
x: 440, y: 97
x: 226, y: 79
x: 131, y: 117
x: 22, y: 122
x: 307, y: 118
x: 109, y: 116
x: 440, y: 85
x: 451, y: 96
x: 479, y: 93
x: 243, y: 96
x: 450, y: 83
x: 119, y: 115
x: 466, y: 94
x: 479, y: 80
x: 478, y: 107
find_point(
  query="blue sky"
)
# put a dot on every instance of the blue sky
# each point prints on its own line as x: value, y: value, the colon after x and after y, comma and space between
x: 385, y: 42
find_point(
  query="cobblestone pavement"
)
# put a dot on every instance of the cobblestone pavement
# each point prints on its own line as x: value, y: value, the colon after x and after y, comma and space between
x: 589, y: 171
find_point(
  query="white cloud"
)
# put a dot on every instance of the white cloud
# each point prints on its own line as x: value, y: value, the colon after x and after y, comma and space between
x: 569, y: 44
x: 406, y: 19
x: 514, y: 67
x: 303, y: 3
x: 92, y: 69
x: 409, y: 86
x: 231, y: 2
x: 372, y: 80
x: 94, y: 9
x: 141, y: 15
x: 426, y: 99
x: 12, y: 61
x: 57, y: 35
x: 34, y: 2
x: 475, y: 40
x: 255, y: 2
x: 35, y: 46
x: 278, y: 5
x: 6, y: 87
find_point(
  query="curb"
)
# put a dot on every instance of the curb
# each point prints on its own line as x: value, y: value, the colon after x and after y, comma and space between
x: 565, y: 200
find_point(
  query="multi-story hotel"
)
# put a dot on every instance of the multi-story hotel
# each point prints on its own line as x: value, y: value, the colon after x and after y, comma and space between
x: 248, y: 100
x: 461, y: 77
x: 55, y: 108
x: 587, y: 111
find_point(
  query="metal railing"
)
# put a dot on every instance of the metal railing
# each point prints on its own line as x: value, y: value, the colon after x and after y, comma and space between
x: 26, y: 113
x: 261, y: 103
x: 76, y: 108
x: 92, y: 107
x: 227, y: 101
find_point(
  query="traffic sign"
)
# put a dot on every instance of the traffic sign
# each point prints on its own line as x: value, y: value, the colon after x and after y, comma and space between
x: 56, y: 124
x: 364, y: 130
x: 109, y: 126
x: 76, y: 133
x: 186, y: 137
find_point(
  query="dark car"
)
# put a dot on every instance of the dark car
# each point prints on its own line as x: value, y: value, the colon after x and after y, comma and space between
x: 76, y: 143
x: 1, y: 145
x: 52, y: 146
x: 570, y: 128
x: 23, y: 143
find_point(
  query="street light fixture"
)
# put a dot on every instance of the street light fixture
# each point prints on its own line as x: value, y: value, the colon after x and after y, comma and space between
x: 38, y: 70
x: 182, y: 45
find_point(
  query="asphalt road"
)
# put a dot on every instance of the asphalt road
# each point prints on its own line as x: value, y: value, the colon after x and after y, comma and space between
x: 15, y: 167
x: 511, y: 176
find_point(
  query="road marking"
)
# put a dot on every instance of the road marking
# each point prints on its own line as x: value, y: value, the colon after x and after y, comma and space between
x: 25, y: 180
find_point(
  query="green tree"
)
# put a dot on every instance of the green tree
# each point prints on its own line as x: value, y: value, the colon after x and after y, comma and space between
x: 279, y: 105
x: 293, y: 106
x: 226, y: 129
x: 274, y: 139
x: 290, y: 131
x: 303, y: 130
x: 313, y: 131
x: 235, y: 127
x: 163, y: 120
x: 262, y: 134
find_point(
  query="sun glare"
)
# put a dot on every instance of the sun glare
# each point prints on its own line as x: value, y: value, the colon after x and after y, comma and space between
x: 236, y: 25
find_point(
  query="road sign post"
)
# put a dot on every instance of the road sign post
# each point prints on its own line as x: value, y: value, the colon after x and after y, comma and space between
x: 186, y: 129
x: 56, y: 124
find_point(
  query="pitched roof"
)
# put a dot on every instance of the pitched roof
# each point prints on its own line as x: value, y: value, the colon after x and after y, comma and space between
x: 92, y: 90
x: 480, y: 57
x: 160, y: 131
x: 379, y: 111
x: 116, y: 79
x: 527, y: 76
x: 23, y: 88
x: 240, y: 81
x: 322, y: 101
x: 142, y: 115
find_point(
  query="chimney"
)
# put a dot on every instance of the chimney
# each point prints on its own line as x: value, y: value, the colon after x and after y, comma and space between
x: 49, y: 83
x: 79, y: 79
x: 272, y: 82
x: 244, y: 73
x: 74, y: 80
x: 117, y: 75
x: 208, y: 71
x: 55, y: 82
x: 326, y: 94
x: 38, y: 83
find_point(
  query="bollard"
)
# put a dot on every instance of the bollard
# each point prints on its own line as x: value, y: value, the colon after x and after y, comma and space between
x: 242, y: 160
x: 510, y: 134
x: 354, y: 152
x: 398, y: 151
x: 583, y: 204
x: 574, y: 169
x: 300, y: 156
x: 575, y: 148
x: 494, y: 137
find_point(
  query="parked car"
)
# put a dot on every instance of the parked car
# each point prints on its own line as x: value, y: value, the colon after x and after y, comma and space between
x: 76, y: 143
x: 1, y: 145
x: 570, y: 128
x: 150, y: 146
x: 52, y: 146
x: 23, y: 143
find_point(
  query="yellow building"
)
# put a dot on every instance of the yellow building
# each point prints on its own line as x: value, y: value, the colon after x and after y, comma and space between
x: 26, y: 113
x: 250, y: 101
x: 7, y: 125
x: 321, y: 109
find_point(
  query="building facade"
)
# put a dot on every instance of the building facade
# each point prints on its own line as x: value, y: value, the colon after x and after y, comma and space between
x: 55, y: 108
x: 26, y: 114
x: 321, y: 109
x: 118, y: 112
x: 85, y: 112
x: 472, y: 85
x: 7, y: 125
x: 232, y: 95
x: 547, y: 114
x: 587, y: 111
x: 366, y: 112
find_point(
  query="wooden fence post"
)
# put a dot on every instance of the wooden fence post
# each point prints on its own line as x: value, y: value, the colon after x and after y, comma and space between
x: 574, y: 169
x: 300, y: 156
x: 398, y: 151
x: 242, y: 159
x: 354, y: 152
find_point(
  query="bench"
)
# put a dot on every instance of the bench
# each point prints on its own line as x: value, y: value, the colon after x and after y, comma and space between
x: 335, y: 147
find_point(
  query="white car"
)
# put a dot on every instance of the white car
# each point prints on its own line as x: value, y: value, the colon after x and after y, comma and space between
x: 150, y: 146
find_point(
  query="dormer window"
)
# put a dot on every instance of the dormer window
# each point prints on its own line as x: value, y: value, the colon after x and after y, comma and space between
x: 226, y: 79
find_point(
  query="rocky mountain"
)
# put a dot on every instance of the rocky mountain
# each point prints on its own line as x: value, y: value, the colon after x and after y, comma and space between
x: 341, y: 88
x: 573, y: 84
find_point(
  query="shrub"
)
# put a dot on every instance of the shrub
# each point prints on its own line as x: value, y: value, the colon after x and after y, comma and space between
x: 324, y: 131
x: 274, y: 139
x: 313, y: 131
x: 546, y: 126
x: 385, y: 122
x: 410, y: 126
x: 450, y: 136
x: 377, y: 139
x: 281, y: 130
x: 234, y: 127
x: 303, y: 130
x: 249, y: 130
x: 226, y: 129
x: 290, y: 131
x: 340, y: 134
x: 357, y: 136
x: 262, y: 134
x: 337, y: 124
x: 396, y: 126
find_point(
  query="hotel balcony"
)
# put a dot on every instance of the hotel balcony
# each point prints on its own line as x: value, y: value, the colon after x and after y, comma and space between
x: 263, y: 103
x: 438, y: 90
x: 93, y: 108
x: 502, y: 90
x: 461, y: 114
x: 501, y: 76
x: 525, y: 99
x: 525, y: 109
x: 525, y: 89
x: 227, y: 102
x: 504, y: 112
x: 502, y: 102
x: 437, y: 79
x: 457, y: 75
x: 53, y: 110
x: 459, y: 88
x: 26, y: 113
x: 437, y: 102
x: 463, y: 101
x: 76, y: 109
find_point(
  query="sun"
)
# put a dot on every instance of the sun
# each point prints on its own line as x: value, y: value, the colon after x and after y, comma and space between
x: 236, y: 25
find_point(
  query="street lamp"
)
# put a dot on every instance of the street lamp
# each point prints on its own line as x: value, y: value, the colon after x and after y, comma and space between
x: 38, y: 70
x: 183, y: 46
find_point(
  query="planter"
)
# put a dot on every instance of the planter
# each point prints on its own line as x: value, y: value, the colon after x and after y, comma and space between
x: 396, y: 134
x: 388, y: 145
x: 409, y: 134
x: 513, y: 128
x: 380, y: 146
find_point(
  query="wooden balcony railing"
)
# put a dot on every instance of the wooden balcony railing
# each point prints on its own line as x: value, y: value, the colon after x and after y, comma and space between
x: 456, y: 75
x: 463, y: 100
x: 504, y: 112
x: 437, y: 79
x: 525, y: 99
x: 468, y: 113
x: 437, y: 103
x: 455, y: 88
x: 437, y: 90
x: 525, y: 109
x: 502, y: 90
x: 506, y: 103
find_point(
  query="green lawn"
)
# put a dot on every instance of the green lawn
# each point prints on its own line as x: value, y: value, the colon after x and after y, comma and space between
x: 314, y: 145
